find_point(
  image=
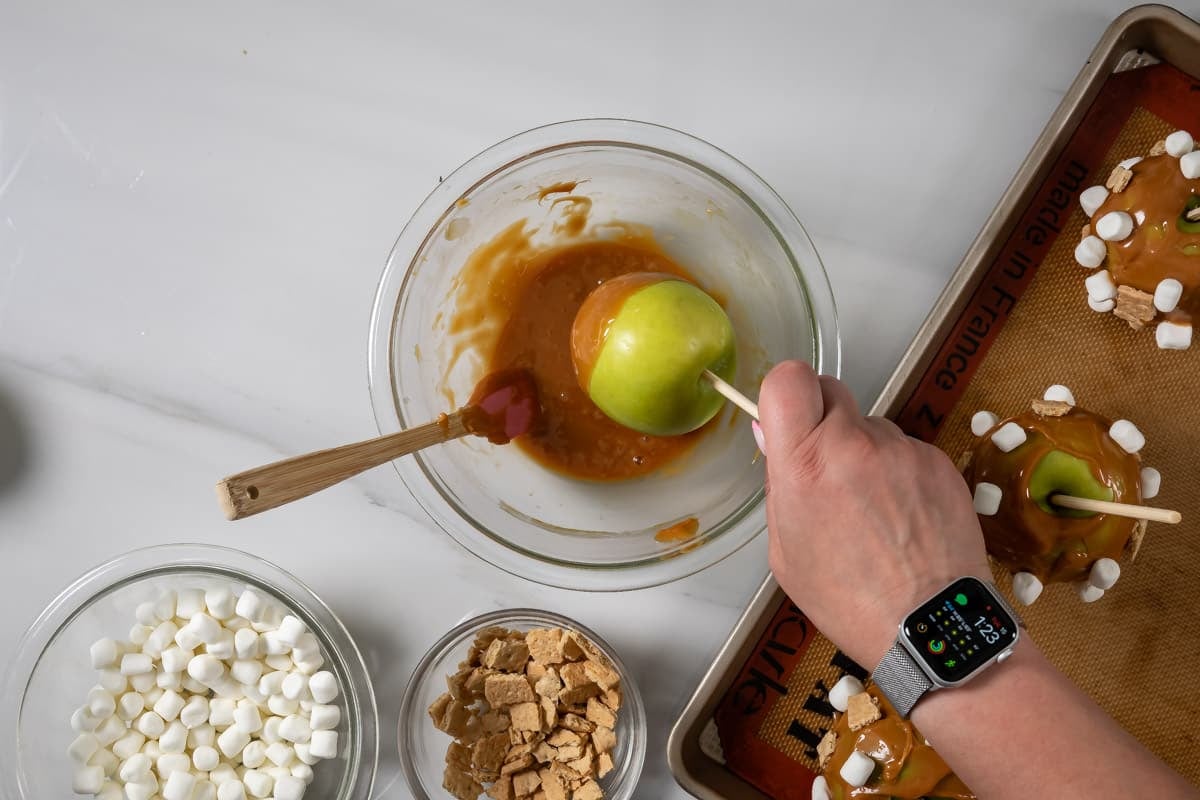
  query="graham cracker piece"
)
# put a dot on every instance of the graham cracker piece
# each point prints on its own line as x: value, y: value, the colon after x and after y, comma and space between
x: 585, y: 764
x: 549, y: 714
x: 1159, y: 148
x: 460, y: 784
x: 563, y: 737
x: 1119, y: 179
x: 1051, y: 408
x: 574, y: 722
x: 964, y: 461
x: 519, y: 764
x: 572, y: 647
x: 549, y: 685
x: 437, y: 709
x: 590, y: 790
x: 507, y: 690
x: 1134, y: 306
x: 458, y: 756
x: 604, y: 739
x: 602, y: 675
x: 501, y: 789
x: 526, y: 783
x: 574, y: 675
x: 506, y: 656
x: 545, y: 752
x: 861, y: 710
x: 489, y: 752
x: 604, y: 765
x: 578, y: 696
x: 526, y: 716
x: 552, y: 785
x: 826, y: 747
x: 612, y: 699
x: 1086, y: 231
x: 1135, y: 539
x: 600, y: 714
x: 545, y: 645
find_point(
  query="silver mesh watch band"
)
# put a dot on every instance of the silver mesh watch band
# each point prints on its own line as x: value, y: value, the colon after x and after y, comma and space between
x: 901, y: 680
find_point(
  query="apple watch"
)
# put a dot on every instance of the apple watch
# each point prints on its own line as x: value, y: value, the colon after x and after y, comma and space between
x: 947, y: 641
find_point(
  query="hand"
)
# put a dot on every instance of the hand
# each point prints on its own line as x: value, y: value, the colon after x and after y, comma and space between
x: 865, y: 523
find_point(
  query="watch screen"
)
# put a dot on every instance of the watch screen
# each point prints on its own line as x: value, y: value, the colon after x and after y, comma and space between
x: 960, y: 629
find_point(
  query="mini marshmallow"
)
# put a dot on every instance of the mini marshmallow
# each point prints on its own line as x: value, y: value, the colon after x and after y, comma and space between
x: 222, y: 773
x: 1173, y: 336
x: 83, y: 748
x: 987, y: 498
x: 1104, y: 573
x: 1180, y: 143
x: 113, y: 681
x: 1190, y: 165
x: 220, y: 602
x: 144, y: 613
x: 295, y: 728
x: 82, y: 721
x: 289, y: 787
x: 302, y: 771
x: 206, y: 758
x: 164, y: 605
x: 309, y: 666
x: 195, y: 712
x: 1129, y: 163
x: 111, y: 791
x: 222, y: 648
x: 152, y: 696
x: 1115, y: 226
x: 252, y: 693
x: 247, y: 717
x: 231, y: 790
x: 306, y: 648
x: 105, y: 653
x: 150, y: 725
x: 268, y: 619
x: 1101, y: 306
x: 858, y: 768
x: 246, y: 671
x: 1092, y: 198
x: 187, y: 639
x: 839, y: 695
x: 169, y: 680
x: 280, y: 754
x: 1100, y: 286
x: 305, y: 754
x: 101, y: 704
x: 136, y: 664
x: 152, y: 750
x: 323, y: 686
x: 110, y: 730
x: 250, y: 604
x: 144, y: 682
x: 205, y: 627
x: 246, y: 644
x: 128, y: 744
x: 232, y: 740
x: 206, y: 669
x: 291, y: 628
x: 162, y: 637
x: 982, y: 422
x: 1091, y: 252
x: 1026, y: 588
x: 1057, y: 393
x: 141, y: 791
x: 270, y: 729
x: 1126, y: 434
x: 258, y: 783
x: 280, y: 662
x: 295, y: 686
x: 189, y: 603
x: 105, y: 760
x: 220, y: 712
x: 136, y: 768
x: 1009, y: 437
x: 202, y: 736
x: 1087, y: 592
x: 1167, y: 294
x: 174, y: 738
x: 172, y: 762
x: 326, y: 717
x: 175, y: 659
x: 280, y: 706
x: 205, y: 790
x: 820, y: 789
x: 273, y: 645
x: 169, y: 706
x: 255, y: 754
x: 179, y: 786
x: 1151, y: 480
x: 87, y: 780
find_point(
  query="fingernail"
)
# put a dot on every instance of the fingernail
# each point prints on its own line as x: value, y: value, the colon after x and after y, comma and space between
x: 758, y: 436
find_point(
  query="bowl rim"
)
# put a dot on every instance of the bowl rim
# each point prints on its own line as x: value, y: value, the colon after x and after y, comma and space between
x: 154, y: 560
x: 670, y: 564
x: 633, y: 701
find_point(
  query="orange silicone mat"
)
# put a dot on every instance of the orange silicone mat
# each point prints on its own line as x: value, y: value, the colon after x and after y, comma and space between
x: 1027, y: 326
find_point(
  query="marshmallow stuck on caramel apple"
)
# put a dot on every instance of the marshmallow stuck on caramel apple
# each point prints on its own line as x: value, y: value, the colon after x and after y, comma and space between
x: 1058, y: 448
x: 1144, y: 236
x: 640, y: 344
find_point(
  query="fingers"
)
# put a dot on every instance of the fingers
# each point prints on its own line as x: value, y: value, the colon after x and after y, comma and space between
x: 791, y: 405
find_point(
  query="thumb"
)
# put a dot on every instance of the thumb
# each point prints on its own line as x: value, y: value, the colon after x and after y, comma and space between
x: 790, y: 406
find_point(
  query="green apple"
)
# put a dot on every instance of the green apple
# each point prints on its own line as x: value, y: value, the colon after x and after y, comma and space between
x: 651, y: 339
x: 1058, y: 472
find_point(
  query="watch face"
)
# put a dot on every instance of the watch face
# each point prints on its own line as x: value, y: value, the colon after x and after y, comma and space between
x: 960, y: 629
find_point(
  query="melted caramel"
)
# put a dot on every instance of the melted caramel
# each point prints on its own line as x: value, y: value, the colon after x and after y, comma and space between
x: 679, y: 532
x: 1024, y: 537
x: 1157, y: 248
x: 909, y: 768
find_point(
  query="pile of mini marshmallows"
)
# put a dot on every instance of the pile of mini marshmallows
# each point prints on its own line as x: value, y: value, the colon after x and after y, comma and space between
x: 215, y: 696
x: 1116, y: 226
x: 859, y: 766
x: 1008, y: 437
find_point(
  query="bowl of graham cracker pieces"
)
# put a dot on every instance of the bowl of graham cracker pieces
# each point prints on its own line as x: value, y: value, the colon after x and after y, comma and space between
x: 522, y: 704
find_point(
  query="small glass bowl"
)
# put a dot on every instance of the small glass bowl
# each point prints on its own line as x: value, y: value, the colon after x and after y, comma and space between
x: 423, y: 747
x: 715, y: 217
x: 50, y: 675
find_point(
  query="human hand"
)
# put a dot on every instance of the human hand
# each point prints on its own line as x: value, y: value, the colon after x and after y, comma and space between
x: 865, y: 523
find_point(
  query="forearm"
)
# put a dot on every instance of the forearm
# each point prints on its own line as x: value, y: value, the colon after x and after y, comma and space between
x: 1023, y: 730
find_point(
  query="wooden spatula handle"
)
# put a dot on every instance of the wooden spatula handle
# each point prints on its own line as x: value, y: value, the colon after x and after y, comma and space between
x: 263, y: 488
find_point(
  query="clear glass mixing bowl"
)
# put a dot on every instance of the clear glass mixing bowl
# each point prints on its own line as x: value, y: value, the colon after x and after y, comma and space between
x: 50, y: 672
x: 715, y: 217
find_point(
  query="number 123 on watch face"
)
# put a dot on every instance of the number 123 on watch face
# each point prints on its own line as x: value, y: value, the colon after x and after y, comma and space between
x: 959, y: 630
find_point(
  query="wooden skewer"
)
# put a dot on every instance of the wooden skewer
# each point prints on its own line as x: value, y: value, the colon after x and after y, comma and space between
x: 731, y: 394
x: 1116, y: 509
x: 263, y: 488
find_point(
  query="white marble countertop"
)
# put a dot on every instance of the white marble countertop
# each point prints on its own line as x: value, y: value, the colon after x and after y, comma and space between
x: 196, y: 201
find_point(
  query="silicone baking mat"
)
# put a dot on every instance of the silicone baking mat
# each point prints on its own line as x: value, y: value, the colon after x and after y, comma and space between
x: 1027, y: 326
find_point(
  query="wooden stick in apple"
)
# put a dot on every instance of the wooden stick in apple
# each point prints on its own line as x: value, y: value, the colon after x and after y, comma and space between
x: 731, y: 394
x: 1129, y: 510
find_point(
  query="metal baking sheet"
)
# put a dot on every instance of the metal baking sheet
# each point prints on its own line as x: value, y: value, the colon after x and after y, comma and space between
x: 1142, y: 36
